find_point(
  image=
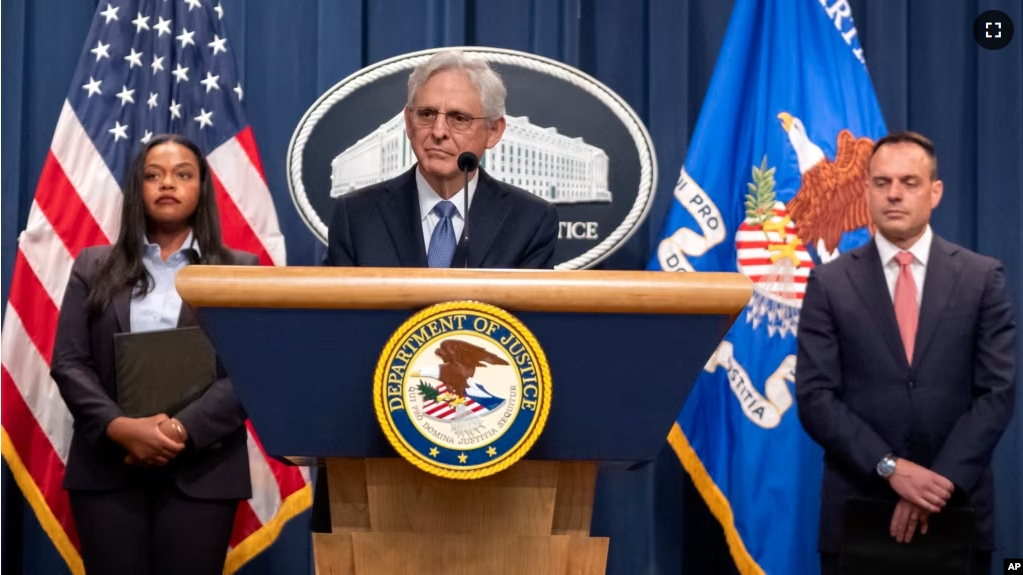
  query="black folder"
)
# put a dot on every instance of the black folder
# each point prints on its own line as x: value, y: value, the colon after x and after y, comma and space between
x: 162, y: 371
x: 869, y: 549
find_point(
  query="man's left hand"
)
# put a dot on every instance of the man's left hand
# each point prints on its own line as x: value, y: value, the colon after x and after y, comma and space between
x: 906, y: 519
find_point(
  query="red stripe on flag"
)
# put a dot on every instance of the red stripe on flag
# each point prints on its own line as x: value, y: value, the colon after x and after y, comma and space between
x: 37, y: 311
x: 795, y: 279
x: 289, y: 479
x: 248, y: 143
x: 245, y: 523
x: 64, y: 208
x: 235, y: 228
x: 760, y: 262
x: 747, y: 245
x: 36, y: 452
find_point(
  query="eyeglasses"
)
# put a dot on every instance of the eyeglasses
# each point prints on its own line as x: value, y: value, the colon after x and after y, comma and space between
x: 459, y: 121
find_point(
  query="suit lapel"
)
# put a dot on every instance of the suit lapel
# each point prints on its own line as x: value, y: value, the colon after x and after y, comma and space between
x: 122, y: 309
x: 867, y: 277
x: 399, y: 209
x: 487, y: 212
x: 187, y: 316
x: 940, y: 279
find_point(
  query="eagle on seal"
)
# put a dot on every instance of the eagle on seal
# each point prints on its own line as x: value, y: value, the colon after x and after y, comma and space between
x: 832, y: 194
x: 460, y: 362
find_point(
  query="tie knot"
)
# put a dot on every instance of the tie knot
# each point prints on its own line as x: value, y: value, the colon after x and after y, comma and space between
x: 904, y: 258
x: 445, y: 209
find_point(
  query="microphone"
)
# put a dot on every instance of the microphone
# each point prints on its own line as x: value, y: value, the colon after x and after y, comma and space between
x: 467, y: 162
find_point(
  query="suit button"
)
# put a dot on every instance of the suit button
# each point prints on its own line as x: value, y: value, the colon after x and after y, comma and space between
x: 912, y: 383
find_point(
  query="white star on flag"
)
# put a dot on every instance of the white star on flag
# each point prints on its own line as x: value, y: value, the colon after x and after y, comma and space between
x: 186, y: 38
x: 101, y: 50
x: 126, y: 95
x: 141, y: 23
x: 93, y: 86
x: 204, y: 118
x: 134, y: 59
x: 119, y: 131
x: 210, y: 82
x: 110, y: 13
x: 180, y: 73
x: 218, y: 44
x: 164, y: 26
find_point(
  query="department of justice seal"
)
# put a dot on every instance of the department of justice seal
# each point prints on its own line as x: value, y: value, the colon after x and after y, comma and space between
x: 462, y: 390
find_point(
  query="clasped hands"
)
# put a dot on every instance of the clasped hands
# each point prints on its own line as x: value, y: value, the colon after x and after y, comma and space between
x: 149, y: 441
x: 922, y: 492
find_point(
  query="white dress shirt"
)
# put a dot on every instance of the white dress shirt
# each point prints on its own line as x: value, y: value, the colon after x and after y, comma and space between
x: 921, y: 250
x: 428, y: 198
x: 160, y: 308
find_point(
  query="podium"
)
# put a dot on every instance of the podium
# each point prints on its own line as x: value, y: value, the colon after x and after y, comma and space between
x: 301, y: 346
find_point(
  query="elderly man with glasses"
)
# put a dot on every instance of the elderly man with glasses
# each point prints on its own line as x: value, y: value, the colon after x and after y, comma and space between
x: 455, y: 105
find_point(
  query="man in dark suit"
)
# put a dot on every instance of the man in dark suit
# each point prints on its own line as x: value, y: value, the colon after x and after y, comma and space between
x: 905, y: 410
x: 455, y: 105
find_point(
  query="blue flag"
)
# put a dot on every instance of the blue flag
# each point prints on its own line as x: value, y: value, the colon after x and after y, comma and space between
x: 774, y: 183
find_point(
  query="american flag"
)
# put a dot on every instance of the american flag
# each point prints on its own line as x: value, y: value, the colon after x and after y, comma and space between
x: 148, y: 66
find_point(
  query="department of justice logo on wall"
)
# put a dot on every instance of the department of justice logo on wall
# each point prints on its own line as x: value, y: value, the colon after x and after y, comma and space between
x: 462, y: 390
x: 569, y: 139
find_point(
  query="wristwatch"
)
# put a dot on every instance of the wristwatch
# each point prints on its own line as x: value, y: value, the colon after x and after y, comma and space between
x: 886, y: 467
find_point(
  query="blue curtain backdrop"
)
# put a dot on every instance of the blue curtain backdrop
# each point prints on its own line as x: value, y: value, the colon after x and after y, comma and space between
x: 928, y: 73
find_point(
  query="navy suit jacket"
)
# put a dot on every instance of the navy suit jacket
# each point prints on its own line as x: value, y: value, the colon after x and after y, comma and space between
x: 380, y: 226
x: 215, y: 462
x: 860, y: 398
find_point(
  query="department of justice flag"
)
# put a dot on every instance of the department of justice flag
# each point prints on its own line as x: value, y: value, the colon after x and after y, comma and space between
x: 773, y: 183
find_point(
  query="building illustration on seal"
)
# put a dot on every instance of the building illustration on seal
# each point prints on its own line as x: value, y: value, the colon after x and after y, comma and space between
x: 555, y: 167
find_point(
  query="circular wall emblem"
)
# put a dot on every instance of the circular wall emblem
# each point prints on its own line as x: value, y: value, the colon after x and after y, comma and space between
x: 462, y: 390
x: 569, y: 139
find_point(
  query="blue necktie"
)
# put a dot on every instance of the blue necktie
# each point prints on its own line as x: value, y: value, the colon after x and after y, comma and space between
x: 442, y: 242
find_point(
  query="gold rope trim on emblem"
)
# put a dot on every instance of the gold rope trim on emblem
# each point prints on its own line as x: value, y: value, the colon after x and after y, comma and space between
x: 379, y: 382
x: 716, y: 501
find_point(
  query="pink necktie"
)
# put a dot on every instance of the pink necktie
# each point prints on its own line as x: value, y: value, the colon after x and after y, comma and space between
x: 907, y: 313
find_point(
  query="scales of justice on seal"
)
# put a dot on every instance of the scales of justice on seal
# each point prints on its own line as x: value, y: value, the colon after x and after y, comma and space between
x: 462, y: 415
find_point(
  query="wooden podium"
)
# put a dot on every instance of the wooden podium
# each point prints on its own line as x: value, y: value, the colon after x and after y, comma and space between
x: 301, y: 345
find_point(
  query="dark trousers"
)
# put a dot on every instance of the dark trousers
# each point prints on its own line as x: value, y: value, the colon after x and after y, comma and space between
x: 151, y: 527
x: 980, y: 564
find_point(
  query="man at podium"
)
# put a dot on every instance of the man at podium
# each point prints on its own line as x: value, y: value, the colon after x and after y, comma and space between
x: 455, y: 112
x: 455, y: 105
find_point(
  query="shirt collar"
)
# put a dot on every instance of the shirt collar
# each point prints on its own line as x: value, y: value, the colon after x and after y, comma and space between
x: 428, y: 198
x: 151, y: 249
x: 921, y: 250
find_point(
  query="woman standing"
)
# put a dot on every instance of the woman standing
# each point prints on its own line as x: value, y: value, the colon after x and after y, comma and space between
x: 154, y: 494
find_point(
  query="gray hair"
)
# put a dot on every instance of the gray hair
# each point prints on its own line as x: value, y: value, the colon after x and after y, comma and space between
x: 483, y: 77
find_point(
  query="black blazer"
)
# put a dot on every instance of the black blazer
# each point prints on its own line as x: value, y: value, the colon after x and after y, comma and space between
x: 215, y: 463
x: 380, y: 226
x: 860, y: 399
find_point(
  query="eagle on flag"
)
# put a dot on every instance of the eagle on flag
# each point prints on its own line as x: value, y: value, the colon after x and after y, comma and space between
x: 832, y: 194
